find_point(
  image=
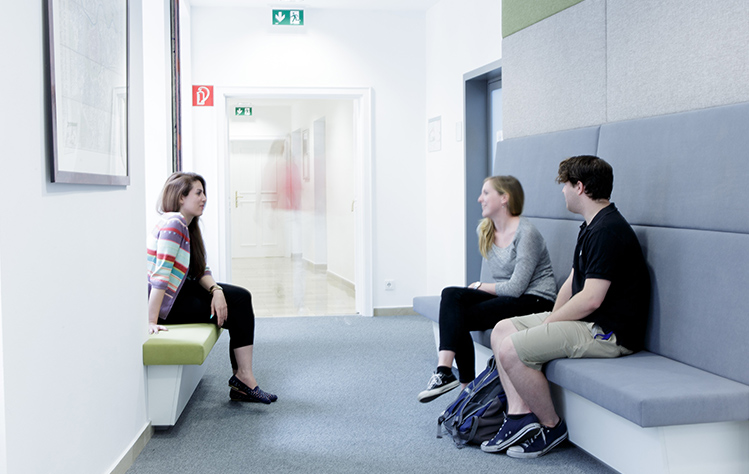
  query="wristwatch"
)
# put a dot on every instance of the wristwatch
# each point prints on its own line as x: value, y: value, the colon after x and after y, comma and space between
x: 214, y: 288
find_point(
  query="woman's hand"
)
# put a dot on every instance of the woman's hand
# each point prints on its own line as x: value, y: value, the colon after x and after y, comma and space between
x: 155, y: 328
x: 475, y: 285
x: 218, y: 307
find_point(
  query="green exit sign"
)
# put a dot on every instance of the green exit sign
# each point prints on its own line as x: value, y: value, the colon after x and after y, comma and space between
x: 288, y: 17
x: 244, y: 111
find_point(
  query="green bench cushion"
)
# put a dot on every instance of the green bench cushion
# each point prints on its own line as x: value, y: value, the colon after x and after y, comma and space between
x: 182, y: 344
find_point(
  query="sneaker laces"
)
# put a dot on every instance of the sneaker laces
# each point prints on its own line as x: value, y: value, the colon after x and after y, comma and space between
x: 434, y: 380
x: 495, y: 438
x: 531, y: 440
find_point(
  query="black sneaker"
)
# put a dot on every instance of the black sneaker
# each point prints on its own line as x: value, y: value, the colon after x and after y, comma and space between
x: 438, y: 384
x: 540, y: 444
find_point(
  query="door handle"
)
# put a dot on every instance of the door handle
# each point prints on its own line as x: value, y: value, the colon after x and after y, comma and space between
x: 236, y: 198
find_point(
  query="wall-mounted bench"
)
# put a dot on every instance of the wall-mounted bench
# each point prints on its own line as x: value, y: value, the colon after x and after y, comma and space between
x: 682, y: 405
x: 174, y: 361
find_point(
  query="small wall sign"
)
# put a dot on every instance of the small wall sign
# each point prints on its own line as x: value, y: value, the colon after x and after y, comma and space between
x: 243, y: 111
x: 202, y: 96
x: 288, y: 17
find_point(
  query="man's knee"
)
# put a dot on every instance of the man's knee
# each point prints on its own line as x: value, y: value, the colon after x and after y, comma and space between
x: 507, y: 353
x: 502, y: 330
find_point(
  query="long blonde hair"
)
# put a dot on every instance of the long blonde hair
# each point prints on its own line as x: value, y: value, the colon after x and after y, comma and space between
x: 515, y: 199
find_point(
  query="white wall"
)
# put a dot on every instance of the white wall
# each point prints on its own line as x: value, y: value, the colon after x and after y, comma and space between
x: 340, y: 181
x: 158, y: 95
x: 72, y: 280
x: 237, y: 47
x: 3, y: 435
x: 461, y: 36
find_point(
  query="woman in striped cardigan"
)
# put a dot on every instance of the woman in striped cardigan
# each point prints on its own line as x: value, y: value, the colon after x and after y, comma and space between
x: 181, y: 287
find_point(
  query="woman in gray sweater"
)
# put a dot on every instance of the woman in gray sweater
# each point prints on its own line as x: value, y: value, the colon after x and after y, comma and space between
x: 523, y: 283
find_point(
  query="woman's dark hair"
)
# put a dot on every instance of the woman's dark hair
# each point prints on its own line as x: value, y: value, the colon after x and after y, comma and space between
x: 596, y: 175
x: 179, y: 185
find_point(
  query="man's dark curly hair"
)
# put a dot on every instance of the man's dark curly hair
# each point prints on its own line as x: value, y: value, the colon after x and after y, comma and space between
x: 596, y: 175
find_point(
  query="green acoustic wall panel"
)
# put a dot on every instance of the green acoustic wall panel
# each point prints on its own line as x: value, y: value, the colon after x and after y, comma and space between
x: 519, y: 14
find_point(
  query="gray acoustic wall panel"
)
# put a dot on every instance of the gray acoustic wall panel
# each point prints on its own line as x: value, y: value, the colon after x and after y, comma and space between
x: 670, y: 56
x: 685, y: 170
x: 554, y: 72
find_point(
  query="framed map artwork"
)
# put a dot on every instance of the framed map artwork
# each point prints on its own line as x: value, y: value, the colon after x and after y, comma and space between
x: 89, y: 84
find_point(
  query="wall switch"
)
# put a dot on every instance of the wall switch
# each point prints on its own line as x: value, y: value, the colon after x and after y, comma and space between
x: 389, y: 285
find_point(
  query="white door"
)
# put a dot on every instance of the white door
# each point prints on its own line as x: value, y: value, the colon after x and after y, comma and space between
x: 257, y: 220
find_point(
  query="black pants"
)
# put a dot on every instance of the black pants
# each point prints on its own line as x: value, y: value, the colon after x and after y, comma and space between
x: 193, y: 305
x: 463, y: 310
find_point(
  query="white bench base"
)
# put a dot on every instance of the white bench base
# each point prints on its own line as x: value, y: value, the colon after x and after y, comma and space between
x: 169, y: 388
x: 717, y: 448
x: 629, y: 448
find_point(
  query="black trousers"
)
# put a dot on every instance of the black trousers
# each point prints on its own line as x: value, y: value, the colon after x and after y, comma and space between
x: 193, y: 305
x: 463, y: 310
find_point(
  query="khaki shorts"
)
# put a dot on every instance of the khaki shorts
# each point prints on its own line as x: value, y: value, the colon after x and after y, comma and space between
x: 537, y: 343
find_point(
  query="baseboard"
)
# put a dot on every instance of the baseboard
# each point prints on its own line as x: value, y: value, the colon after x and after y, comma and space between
x: 397, y: 311
x: 315, y: 267
x: 343, y: 281
x: 129, y: 457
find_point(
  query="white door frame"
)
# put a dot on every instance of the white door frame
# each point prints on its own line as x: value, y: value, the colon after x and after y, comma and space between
x: 363, y: 124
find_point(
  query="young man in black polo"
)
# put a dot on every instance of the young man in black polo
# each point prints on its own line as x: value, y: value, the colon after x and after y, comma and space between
x: 600, y: 311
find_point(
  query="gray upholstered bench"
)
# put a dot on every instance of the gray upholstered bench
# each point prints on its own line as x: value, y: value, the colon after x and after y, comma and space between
x: 174, y: 361
x: 681, y: 180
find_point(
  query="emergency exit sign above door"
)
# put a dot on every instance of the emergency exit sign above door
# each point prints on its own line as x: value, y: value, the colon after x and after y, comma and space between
x: 288, y: 17
x: 244, y: 111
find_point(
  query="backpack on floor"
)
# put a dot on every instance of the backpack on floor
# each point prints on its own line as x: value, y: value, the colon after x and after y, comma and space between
x: 478, y: 412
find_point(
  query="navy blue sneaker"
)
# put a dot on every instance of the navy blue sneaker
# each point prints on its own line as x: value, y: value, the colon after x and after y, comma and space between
x: 540, y: 444
x: 511, y: 433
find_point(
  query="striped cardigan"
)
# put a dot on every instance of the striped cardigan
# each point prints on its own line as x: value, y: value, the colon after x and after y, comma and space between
x: 168, y: 251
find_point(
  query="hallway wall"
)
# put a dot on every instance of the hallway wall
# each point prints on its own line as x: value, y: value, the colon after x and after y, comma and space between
x: 474, y: 40
x: 340, y: 180
x: 237, y: 47
x: 73, y: 306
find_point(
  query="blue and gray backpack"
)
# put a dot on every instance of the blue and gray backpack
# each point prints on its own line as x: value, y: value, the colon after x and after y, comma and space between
x: 478, y: 412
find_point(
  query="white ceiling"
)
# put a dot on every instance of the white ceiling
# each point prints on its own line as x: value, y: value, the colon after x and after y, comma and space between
x: 419, y: 5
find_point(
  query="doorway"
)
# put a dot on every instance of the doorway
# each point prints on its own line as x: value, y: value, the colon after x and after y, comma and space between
x: 266, y: 172
x: 483, y: 125
x: 258, y: 215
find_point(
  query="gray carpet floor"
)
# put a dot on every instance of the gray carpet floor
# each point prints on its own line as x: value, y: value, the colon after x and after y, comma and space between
x: 347, y: 404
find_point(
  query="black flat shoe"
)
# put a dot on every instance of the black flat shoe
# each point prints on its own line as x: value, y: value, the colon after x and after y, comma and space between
x: 242, y: 393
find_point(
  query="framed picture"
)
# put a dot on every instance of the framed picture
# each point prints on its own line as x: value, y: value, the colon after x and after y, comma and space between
x: 89, y: 95
x: 305, y: 154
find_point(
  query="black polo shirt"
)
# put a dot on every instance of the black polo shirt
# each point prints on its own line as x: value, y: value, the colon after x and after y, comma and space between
x: 608, y: 249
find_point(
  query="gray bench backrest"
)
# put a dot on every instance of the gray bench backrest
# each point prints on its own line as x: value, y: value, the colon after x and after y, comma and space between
x: 682, y: 181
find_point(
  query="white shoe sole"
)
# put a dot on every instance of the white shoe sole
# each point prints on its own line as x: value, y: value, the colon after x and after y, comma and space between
x: 518, y: 453
x: 428, y: 395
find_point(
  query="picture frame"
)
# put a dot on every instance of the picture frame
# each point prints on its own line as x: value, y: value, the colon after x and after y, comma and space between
x: 88, y: 54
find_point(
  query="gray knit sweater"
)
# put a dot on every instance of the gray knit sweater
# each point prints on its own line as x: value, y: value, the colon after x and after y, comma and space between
x: 523, y: 267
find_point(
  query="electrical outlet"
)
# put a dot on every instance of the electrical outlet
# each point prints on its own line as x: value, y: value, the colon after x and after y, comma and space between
x: 389, y: 285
